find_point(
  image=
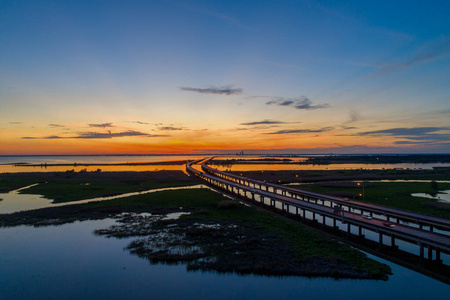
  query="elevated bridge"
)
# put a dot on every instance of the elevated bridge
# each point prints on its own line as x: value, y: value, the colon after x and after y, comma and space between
x: 421, y: 236
x: 382, y: 212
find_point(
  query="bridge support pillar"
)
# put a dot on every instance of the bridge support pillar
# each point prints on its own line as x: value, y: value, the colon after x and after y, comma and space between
x: 304, y: 214
x: 430, y: 253
x: 334, y: 223
x: 360, y: 231
x: 314, y: 216
x: 438, y: 255
x: 421, y: 252
x: 380, y: 239
x: 393, y: 242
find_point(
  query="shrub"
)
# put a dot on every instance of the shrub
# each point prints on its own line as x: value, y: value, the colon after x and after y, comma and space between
x: 227, y: 204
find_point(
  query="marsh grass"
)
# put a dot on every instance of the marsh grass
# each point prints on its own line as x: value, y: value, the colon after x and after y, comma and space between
x: 306, y: 244
x: 72, y: 186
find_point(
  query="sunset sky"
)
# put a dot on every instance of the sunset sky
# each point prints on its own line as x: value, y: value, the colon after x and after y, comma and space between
x: 143, y: 77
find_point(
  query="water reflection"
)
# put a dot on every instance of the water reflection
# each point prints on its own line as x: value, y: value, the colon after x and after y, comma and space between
x: 15, y: 202
x: 69, y: 262
x: 299, y: 167
x: 92, y: 168
x: 441, y: 196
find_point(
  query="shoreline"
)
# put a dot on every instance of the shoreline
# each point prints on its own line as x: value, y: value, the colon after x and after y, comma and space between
x: 175, y: 163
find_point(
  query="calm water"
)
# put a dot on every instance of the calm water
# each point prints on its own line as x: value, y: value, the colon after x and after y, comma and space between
x: 69, y: 262
x: 290, y: 167
x: 7, y: 164
x: 36, y: 159
x: 442, y: 196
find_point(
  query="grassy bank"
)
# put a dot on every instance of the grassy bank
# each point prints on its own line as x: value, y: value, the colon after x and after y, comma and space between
x: 73, y: 186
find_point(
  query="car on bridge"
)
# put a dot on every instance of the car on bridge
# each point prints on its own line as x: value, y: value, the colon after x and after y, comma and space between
x: 367, y: 216
x: 389, y: 224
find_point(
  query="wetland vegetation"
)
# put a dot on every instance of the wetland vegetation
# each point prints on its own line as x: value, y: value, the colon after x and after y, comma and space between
x: 218, y: 234
x: 72, y: 186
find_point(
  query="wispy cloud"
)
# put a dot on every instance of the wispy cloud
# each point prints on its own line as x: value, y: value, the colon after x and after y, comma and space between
x: 102, y: 125
x: 413, y: 133
x: 97, y: 135
x: 170, y: 128
x: 50, y: 137
x: 296, y: 131
x: 263, y: 122
x: 226, y: 90
x: 15, y: 122
x: 108, y: 135
x: 56, y: 125
x: 430, y: 51
x: 402, y: 131
x: 139, y: 122
x: 301, y: 102
x: 410, y: 142
x: 354, y: 116
x: 257, y: 97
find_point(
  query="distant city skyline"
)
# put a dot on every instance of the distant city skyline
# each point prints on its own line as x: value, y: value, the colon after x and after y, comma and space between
x: 285, y: 77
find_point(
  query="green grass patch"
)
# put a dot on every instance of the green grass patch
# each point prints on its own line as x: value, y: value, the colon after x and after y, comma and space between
x: 207, y: 205
x: 11, y: 184
x: 73, y: 186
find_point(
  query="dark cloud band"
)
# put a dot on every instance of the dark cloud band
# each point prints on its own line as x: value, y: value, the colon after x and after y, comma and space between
x: 103, y: 125
x: 97, y: 135
x: 227, y: 90
x: 263, y: 122
x: 302, y: 102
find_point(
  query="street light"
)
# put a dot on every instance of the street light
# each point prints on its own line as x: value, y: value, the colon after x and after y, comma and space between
x: 360, y: 184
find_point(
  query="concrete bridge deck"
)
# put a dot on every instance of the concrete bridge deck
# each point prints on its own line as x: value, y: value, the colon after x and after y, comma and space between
x: 252, y: 190
x: 391, y: 214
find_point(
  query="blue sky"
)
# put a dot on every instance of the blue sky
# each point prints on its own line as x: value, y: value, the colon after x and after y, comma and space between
x: 190, y: 76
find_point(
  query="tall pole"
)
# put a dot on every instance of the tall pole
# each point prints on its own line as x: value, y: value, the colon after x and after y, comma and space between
x: 360, y: 184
